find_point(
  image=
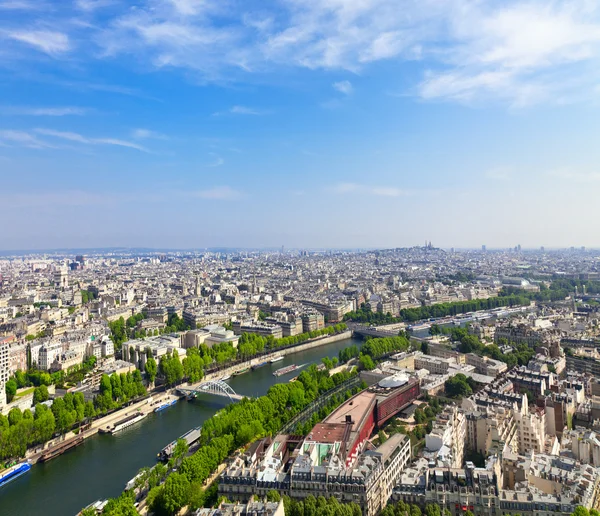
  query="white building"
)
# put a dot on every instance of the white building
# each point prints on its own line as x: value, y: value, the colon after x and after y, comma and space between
x: 47, y: 354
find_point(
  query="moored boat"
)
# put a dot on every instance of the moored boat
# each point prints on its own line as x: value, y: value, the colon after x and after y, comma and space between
x: 165, y: 405
x: 127, y: 422
x: 13, y: 472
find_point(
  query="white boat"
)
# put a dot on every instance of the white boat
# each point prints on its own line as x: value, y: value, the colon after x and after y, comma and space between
x: 226, y: 377
x: 276, y: 359
x: 127, y: 422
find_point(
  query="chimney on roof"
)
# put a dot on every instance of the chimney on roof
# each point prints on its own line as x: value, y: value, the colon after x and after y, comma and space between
x: 348, y: 419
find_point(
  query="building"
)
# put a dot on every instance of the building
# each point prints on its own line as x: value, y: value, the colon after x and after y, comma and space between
x: 447, y: 438
x: 210, y: 335
x: 262, y: 329
x: 4, y: 370
x: 248, y: 509
x: 135, y: 351
x: 335, y: 458
x: 317, y: 467
x: 48, y: 354
x: 435, y: 365
x: 312, y: 321
x: 485, y: 365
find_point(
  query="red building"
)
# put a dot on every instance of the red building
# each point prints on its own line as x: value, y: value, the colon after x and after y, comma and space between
x: 369, y: 409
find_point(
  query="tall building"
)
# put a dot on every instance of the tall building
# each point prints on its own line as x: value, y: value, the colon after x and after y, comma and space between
x: 61, y: 277
x: 4, y: 371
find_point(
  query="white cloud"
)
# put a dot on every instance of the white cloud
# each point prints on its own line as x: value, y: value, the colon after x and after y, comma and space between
x: 147, y: 134
x: 344, y: 87
x: 23, y: 139
x: 242, y: 110
x: 18, y: 5
x: 519, y: 52
x: 78, y: 138
x: 92, y: 5
x: 47, y: 41
x: 219, y: 193
x: 44, y: 111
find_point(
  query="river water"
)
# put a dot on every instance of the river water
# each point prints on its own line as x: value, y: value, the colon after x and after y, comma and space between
x: 103, y: 464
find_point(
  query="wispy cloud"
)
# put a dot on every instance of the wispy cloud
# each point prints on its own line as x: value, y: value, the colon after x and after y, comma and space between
x: 216, y: 162
x: 381, y: 191
x: 92, y: 5
x: 19, y: 5
x: 50, y: 42
x: 521, y: 53
x: 219, y: 193
x: 43, y: 111
x: 147, y: 134
x: 78, y: 138
x: 23, y: 139
x: 344, y: 87
x: 242, y: 110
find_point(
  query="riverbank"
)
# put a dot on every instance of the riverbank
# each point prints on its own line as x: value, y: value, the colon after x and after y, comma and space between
x: 116, y: 459
x: 145, y: 407
x: 310, y: 344
x: 148, y: 405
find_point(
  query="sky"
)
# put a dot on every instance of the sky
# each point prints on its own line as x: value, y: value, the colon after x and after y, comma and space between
x: 303, y: 123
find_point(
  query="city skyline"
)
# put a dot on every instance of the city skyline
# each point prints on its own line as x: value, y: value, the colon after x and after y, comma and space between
x: 186, y: 124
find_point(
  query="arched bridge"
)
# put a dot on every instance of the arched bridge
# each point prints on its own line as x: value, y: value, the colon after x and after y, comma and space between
x: 216, y: 387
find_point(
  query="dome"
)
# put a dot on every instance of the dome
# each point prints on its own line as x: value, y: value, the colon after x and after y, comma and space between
x: 394, y: 381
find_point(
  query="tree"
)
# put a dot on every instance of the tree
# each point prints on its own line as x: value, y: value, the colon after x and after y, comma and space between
x: 433, y: 509
x: 581, y: 511
x: 11, y: 389
x: 193, y: 365
x: 40, y: 394
x: 366, y: 362
x: 175, y: 493
x: 151, y: 368
x: 273, y: 496
x: 458, y: 386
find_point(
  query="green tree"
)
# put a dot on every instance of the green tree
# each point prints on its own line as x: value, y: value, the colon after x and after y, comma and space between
x: 581, y: 511
x: 273, y: 496
x: 150, y: 368
x: 175, y: 493
x: 433, y: 509
x: 40, y: 394
x: 366, y: 362
x: 10, y: 389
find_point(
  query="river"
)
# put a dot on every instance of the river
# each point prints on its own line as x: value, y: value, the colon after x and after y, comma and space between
x: 102, y: 466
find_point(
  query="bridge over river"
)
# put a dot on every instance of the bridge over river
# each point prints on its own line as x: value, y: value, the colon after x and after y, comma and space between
x: 214, y: 387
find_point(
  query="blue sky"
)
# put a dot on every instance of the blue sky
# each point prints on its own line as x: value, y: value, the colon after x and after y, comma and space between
x: 304, y: 123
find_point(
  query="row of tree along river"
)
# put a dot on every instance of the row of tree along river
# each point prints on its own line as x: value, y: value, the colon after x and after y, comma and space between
x: 102, y: 466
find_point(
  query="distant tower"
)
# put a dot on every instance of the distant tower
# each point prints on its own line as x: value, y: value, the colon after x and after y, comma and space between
x: 184, y: 289
x: 484, y: 248
x: 198, y: 291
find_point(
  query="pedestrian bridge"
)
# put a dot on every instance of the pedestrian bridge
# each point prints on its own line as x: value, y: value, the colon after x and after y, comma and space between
x: 215, y: 387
